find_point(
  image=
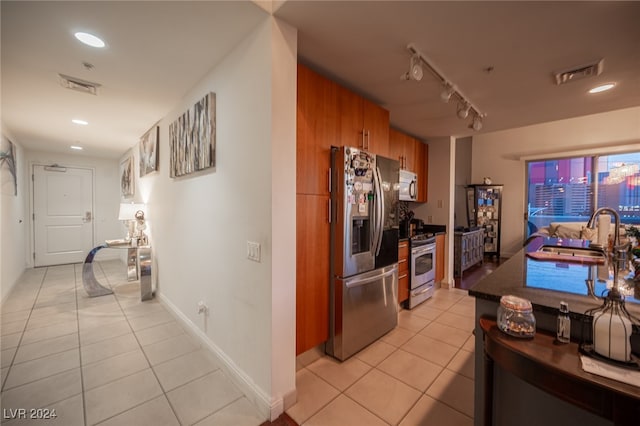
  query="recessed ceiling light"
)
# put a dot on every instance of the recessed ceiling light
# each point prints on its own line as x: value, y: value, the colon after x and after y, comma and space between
x: 602, y: 88
x: 89, y: 39
x: 76, y: 147
x: 80, y: 122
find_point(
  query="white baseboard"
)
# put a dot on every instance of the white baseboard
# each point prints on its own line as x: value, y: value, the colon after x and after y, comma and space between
x: 269, y: 408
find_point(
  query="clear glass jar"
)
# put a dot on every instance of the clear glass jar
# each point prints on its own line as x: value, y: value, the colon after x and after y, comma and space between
x: 515, y: 316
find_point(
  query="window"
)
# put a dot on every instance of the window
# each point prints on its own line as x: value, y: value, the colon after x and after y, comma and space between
x: 566, y: 190
x: 619, y: 185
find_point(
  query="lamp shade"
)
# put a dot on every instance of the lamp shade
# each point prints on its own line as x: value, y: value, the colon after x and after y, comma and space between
x: 128, y: 210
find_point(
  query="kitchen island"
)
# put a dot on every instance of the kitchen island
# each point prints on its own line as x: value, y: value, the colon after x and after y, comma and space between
x: 515, y: 398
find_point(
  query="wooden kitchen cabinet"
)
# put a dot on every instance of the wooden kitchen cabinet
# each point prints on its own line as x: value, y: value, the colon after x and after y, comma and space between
x: 439, y: 257
x: 401, y: 148
x: 317, y: 130
x: 421, y: 168
x: 327, y: 115
x: 362, y: 124
x: 312, y: 271
x: 403, y: 271
x: 413, y: 156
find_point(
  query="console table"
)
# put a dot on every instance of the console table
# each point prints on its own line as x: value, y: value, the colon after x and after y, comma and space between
x: 138, y: 260
x: 556, y: 369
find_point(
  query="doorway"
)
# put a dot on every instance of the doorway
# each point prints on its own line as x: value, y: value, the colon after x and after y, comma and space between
x: 62, y: 214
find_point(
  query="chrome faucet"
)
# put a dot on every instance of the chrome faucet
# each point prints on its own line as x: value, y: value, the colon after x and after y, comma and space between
x: 619, y: 251
x: 616, y: 217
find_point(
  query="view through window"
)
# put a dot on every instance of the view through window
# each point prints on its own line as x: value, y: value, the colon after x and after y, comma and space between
x: 566, y: 190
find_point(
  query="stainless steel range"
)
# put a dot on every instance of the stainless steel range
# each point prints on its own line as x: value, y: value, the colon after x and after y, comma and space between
x: 423, y: 269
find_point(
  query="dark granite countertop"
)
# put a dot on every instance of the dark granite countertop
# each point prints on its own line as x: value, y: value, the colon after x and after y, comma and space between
x: 546, y: 283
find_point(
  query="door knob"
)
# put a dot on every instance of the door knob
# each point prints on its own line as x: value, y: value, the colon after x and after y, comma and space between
x: 87, y: 217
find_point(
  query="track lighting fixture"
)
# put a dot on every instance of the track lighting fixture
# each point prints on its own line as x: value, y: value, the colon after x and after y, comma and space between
x: 447, y: 92
x: 476, y: 124
x: 463, y: 110
x: 418, y: 63
x: 415, y: 68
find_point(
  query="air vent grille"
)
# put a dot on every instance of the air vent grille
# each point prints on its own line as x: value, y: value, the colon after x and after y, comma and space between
x: 591, y: 69
x: 78, y: 84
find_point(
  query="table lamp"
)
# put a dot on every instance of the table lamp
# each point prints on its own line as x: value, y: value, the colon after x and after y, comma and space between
x: 133, y: 216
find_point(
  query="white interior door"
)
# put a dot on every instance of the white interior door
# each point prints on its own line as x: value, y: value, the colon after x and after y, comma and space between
x: 63, y: 214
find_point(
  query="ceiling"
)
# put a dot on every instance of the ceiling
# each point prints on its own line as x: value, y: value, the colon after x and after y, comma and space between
x: 157, y: 51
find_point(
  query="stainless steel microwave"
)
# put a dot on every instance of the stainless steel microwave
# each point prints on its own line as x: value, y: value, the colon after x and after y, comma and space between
x: 408, y: 186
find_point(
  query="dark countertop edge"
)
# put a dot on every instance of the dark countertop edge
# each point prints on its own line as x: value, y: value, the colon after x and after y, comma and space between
x: 508, y: 278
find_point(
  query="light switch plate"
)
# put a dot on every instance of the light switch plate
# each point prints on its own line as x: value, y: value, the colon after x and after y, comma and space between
x: 253, y: 251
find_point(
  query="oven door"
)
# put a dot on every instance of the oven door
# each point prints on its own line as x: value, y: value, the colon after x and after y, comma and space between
x: 423, y: 263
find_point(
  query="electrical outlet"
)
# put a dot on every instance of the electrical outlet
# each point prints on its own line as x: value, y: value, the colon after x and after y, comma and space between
x: 253, y: 251
x: 439, y: 204
x: 429, y: 219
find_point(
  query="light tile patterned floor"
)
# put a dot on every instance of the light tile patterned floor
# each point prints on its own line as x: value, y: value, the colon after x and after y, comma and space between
x: 114, y: 360
x: 421, y: 373
x: 110, y: 360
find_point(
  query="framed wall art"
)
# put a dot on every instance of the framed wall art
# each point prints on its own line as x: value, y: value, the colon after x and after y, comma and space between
x: 8, y: 162
x: 192, y: 138
x: 149, y: 151
x: 126, y: 177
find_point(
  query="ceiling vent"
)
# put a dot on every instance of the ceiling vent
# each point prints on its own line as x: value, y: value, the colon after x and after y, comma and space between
x: 78, y: 84
x: 577, y: 73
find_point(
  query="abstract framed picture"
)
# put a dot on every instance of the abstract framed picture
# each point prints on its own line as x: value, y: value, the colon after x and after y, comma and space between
x: 192, y: 138
x: 149, y: 151
x: 8, y: 162
x: 126, y: 177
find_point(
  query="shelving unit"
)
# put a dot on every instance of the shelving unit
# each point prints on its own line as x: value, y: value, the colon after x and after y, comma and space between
x: 484, y: 209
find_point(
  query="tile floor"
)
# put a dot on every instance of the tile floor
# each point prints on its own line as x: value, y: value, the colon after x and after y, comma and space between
x: 109, y: 360
x: 421, y: 373
x: 114, y: 360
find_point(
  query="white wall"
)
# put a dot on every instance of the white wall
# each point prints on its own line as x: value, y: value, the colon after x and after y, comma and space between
x: 283, y: 160
x: 440, y: 195
x: 501, y: 155
x: 106, y: 195
x: 463, y: 178
x: 199, y: 224
x: 13, y: 221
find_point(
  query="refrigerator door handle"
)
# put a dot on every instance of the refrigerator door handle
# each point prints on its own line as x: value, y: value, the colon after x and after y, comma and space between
x: 374, y: 215
x: 373, y: 229
x: 365, y: 281
x: 380, y: 209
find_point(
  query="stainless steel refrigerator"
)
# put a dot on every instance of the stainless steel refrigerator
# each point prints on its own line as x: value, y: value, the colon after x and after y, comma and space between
x: 364, y: 249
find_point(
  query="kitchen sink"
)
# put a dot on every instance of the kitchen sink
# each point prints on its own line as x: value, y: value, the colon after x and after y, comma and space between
x: 568, y: 254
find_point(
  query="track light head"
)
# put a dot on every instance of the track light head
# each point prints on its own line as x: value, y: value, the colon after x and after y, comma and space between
x: 463, y: 110
x: 415, y: 68
x: 476, y: 124
x: 447, y: 92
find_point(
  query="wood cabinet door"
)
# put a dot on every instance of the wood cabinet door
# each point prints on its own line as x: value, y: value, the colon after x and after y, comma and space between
x: 312, y: 271
x: 439, y: 257
x: 376, y: 124
x: 350, y: 124
x: 396, y: 145
x: 421, y: 168
x: 402, y: 148
x: 410, y: 153
x: 317, y: 130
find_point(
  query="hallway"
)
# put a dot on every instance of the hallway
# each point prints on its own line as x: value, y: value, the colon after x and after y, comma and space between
x: 109, y: 360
